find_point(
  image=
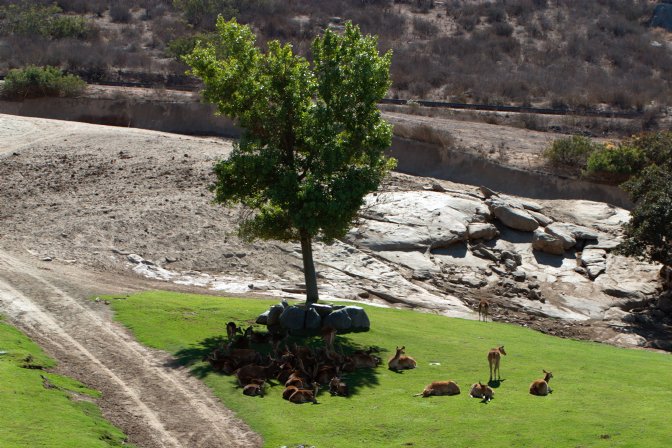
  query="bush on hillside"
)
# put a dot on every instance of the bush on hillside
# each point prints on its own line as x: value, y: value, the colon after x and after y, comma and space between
x: 570, y: 152
x: 33, y: 82
x: 615, y: 164
x: 24, y: 19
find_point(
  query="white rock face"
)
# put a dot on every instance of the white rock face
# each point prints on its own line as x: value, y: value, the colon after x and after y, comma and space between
x: 415, y: 220
x: 512, y: 215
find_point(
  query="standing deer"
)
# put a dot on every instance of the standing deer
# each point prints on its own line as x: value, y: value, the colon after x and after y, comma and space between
x: 440, y: 388
x: 483, y: 310
x: 480, y: 390
x: 401, y: 362
x: 541, y: 387
x: 494, y: 355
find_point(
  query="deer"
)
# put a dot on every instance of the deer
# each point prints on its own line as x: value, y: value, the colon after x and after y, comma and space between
x: 231, y: 330
x: 480, y: 390
x: 483, y: 310
x: 329, y: 336
x: 440, y: 388
x: 363, y: 360
x: 305, y: 395
x: 247, y: 373
x: 494, y: 355
x: 400, y: 361
x: 540, y: 387
x: 254, y: 388
x: 338, y: 387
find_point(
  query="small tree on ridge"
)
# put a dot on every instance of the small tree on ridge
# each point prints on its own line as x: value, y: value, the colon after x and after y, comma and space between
x: 314, y: 140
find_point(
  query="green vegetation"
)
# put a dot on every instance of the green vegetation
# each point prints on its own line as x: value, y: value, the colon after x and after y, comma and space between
x: 28, y: 19
x: 55, y: 412
x: 603, y: 396
x: 649, y: 232
x: 314, y: 140
x: 614, y: 164
x: 571, y: 152
x: 32, y: 81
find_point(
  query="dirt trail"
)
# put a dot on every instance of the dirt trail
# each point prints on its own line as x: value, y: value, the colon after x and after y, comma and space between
x: 155, y: 404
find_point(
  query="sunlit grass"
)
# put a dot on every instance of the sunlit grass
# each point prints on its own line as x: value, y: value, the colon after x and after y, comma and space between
x: 603, y: 395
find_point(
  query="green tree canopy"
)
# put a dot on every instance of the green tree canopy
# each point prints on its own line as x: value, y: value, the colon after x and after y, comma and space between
x: 314, y: 140
x: 649, y: 232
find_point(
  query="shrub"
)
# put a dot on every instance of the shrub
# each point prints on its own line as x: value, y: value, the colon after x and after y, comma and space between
x: 615, y: 163
x: 572, y: 152
x: 24, y: 19
x: 33, y: 81
x: 120, y: 13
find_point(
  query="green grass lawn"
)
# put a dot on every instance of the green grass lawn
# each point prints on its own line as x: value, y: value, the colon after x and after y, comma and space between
x: 32, y: 415
x: 603, y: 396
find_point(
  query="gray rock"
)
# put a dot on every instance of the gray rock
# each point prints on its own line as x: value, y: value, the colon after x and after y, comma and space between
x: 293, y: 318
x: 262, y: 319
x: 322, y: 309
x: 339, y: 320
x: 519, y: 275
x: 313, y: 320
x: 135, y: 258
x: 482, y: 251
x: 511, y: 255
x: 543, y: 220
x: 487, y: 192
x: 530, y: 205
x: 595, y: 262
x: 548, y: 243
x: 359, y: 318
x: 482, y: 231
x: 274, y: 314
x: 570, y: 233
x: 665, y: 303
x: 510, y: 264
x: 515, y: 218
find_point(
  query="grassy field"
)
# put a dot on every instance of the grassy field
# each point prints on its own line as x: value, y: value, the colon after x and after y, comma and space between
x: 54, y: 413
x: 603, y: 396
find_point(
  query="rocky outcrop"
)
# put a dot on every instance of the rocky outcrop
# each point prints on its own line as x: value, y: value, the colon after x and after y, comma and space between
x: 545, y: 242
x: 482, y: 231
x: 511, y: 215
x: 595, y: 262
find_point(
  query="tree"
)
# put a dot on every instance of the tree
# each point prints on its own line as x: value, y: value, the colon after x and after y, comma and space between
x: 649, y: 233
x: 314, y: 140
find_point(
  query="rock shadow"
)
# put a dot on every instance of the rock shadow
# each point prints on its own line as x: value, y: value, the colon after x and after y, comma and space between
x: 543, y: 258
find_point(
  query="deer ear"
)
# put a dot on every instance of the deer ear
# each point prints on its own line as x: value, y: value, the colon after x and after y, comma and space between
x: 403, y: 347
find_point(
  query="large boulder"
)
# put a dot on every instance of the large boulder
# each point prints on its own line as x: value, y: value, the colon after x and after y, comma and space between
x: 339, y: 320
x: 569, y: 234
x: 548, y: 243
x: 482, y: 231
x: 293, y: 318
x: 512, y: 215
x: 359, y: 319
x: 595, y: 262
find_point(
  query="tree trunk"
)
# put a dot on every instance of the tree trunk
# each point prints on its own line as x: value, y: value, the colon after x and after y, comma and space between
x: 309, y: 267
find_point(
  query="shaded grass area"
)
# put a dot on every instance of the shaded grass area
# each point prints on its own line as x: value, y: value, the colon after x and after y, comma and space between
x: 41, y: 409
x: 603, y: 396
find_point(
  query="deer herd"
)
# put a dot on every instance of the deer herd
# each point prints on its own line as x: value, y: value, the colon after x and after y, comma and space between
x: 303, y: 370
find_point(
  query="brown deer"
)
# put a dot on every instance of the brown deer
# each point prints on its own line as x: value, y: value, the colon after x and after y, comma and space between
x: 329, y: 336
x: 247, y: 373
x: 338, y: 387
x: 305, y: 395
x: 480, y: 390
x: 440, y: 388
x: 401, y: 362
x: 483, y: 310
x: 254, y: 388
x: 231, y: 330
x: 541, y: 387
x: 494, y: 355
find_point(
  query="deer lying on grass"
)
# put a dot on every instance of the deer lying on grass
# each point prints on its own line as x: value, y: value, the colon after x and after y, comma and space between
x: 440, y: 388
x: 494, y: 355
x: 250, y: 372
x: 338, y: 387
x: 304, y: 395
x: 541, y: 387
x: 231, y: 330
x: 480, y: 390
x: 483, y: 310
x: 363, y: 360
x: 254, y: 388
x: 401, y: 362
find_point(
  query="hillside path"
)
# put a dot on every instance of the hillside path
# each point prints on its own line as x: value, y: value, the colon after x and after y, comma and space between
x: 154, y: 403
